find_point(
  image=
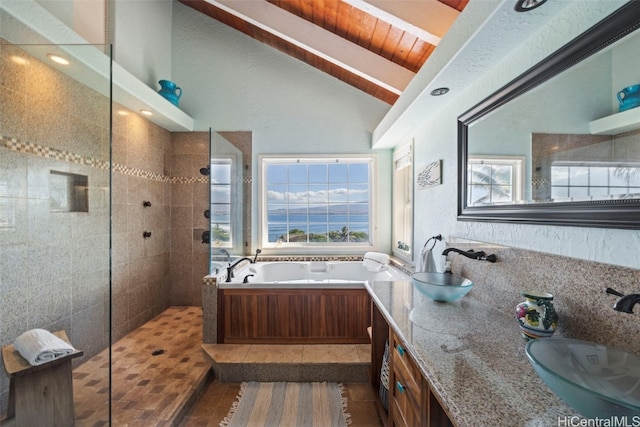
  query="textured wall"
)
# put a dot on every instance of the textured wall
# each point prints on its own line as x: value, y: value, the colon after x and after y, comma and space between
x: 436, y: 138
x: 190, y: 198
x: 232, y: 82
x: 54, y: 266
x: 140, y: 266
x: 585, y: 311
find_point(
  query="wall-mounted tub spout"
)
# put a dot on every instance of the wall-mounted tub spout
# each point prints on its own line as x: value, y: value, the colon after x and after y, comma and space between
x: 480, y: 255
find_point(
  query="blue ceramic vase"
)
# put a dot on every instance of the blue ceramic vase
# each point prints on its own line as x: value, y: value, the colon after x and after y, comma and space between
x: 629, y: 97
x: 170, y: 91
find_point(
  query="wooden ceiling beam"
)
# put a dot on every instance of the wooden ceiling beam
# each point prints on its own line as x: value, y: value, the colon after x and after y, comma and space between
x: 428, y: 20
x: 320, y: 42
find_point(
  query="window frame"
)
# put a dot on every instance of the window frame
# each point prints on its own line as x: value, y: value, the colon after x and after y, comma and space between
x: 517, y: 175
x: 590, y: 165
x: 406, y: 153
x: 315, y: 247
x: 235, y: 228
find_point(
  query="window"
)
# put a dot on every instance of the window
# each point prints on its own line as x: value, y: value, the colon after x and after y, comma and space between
x: 316, y: 201
x: 593, y: 180
x: 221, y: 191
x: 403, y: 202
x: 494, y: 180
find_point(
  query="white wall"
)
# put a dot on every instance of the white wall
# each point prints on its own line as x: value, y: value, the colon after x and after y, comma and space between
x: 436, y: 208
x: 141, y: 33
x: 232, y: 82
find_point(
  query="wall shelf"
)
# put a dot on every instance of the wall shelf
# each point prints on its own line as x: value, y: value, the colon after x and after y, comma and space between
x: 616, y: 123
x: 29, y: 25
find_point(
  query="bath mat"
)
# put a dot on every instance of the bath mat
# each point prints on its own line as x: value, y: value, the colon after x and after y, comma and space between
x: 289, y: 404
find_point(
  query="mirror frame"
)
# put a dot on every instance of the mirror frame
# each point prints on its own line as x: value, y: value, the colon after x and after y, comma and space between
x: 618, y: 213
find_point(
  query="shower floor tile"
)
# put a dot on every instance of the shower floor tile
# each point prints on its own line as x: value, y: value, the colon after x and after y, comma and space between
x: 157, y: 369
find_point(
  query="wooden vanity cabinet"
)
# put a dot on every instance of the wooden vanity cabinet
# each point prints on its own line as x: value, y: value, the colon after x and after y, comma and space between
x: 411, y: 403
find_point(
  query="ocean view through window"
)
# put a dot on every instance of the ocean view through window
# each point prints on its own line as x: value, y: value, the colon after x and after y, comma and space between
x: 316, y: 200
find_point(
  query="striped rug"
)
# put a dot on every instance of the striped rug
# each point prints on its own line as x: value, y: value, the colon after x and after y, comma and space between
x: 289, y: 404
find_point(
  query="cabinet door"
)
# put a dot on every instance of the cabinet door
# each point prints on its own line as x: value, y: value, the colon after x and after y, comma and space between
x: 405, y: 384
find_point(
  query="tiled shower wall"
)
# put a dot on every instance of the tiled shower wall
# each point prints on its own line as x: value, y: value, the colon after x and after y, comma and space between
x: 190, y: 198
x: 54, y: 265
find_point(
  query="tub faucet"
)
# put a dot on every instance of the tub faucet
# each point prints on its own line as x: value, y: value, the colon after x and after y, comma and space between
x: 471, y: 254
x: 234, y: 265
x: 255, y: 258
x: 226, y: 253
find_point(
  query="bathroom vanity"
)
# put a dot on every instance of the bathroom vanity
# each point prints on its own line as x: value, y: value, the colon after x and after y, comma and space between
x: 458, y: 363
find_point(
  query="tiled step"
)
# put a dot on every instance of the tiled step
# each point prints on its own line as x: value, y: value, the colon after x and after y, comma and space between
x: 347, y: 363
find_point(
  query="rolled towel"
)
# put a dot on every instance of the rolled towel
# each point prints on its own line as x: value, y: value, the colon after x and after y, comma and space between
x: 378, y: 257
x: 375, y: 261
x: 39, y: 346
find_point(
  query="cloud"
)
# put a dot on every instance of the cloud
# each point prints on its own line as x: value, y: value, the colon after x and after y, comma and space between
x: 315, y: 197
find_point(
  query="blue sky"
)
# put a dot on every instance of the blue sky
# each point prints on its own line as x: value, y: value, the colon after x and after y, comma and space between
x: 316, y: 184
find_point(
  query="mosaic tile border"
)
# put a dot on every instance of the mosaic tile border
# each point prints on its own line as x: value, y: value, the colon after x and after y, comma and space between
x: 43, y: 151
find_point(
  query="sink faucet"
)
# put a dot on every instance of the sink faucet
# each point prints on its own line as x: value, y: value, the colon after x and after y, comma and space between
x: 626, y: 302
x: 471, y: 254
x: 234, y: 265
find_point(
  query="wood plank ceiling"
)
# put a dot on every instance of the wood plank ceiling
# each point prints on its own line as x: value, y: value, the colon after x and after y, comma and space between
x: 376, y: 46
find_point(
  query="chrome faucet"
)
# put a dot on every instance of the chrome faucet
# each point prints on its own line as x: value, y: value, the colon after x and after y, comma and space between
x: 480, y: 255
x: 626, y: 302
x: 234, y: 265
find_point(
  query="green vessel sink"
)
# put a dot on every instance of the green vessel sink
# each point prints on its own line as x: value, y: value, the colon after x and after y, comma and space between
x: 595, y: 380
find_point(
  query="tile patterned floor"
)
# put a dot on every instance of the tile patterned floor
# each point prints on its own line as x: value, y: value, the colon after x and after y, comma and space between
x: 149, y: 390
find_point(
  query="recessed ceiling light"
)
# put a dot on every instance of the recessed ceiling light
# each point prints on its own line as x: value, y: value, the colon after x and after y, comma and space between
x: 58, y: 59
x: 123, y: 113
x: 439, y: 91
x: 19, y: 60
x: 146, y: 112
x: 527, y: 5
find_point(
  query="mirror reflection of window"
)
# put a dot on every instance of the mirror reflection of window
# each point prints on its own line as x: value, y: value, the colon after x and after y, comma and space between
x: 494, y: 180
x: 221, y: 190
x: 403, y: 202
x: 594, y: 181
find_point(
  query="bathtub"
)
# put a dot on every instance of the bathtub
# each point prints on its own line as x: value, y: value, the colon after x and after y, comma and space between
x: 313, y: 274
x: 298, y: 303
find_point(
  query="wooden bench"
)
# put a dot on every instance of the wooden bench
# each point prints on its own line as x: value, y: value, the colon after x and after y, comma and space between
x: 40, y: 395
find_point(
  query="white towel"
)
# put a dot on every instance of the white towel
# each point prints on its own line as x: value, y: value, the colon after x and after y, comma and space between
x: 375, y: 261
x: 39, y: 346
x: 426, y: 262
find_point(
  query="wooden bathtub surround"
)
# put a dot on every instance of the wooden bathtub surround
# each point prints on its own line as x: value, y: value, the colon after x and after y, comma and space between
x: 293, y: 316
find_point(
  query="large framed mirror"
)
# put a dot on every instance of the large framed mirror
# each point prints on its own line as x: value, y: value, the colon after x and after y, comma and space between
x: 560, y: 144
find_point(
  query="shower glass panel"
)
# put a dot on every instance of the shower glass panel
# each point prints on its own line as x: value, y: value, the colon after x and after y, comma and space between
x: 55, y: 209
x: 226, y: 195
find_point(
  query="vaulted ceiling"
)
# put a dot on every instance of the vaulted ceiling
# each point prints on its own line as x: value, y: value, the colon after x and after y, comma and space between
x: 376, y: 46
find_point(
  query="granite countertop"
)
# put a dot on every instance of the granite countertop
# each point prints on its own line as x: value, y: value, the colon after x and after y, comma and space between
x: 473, y: 357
